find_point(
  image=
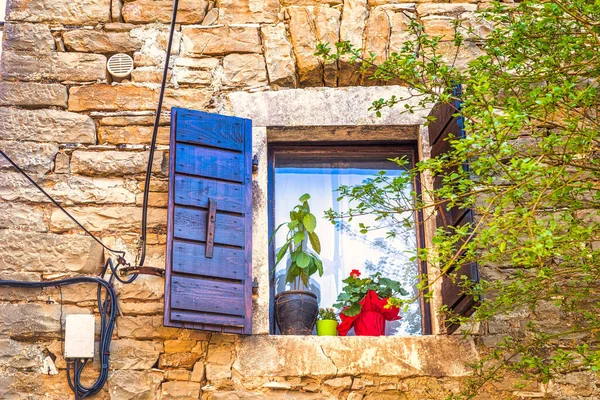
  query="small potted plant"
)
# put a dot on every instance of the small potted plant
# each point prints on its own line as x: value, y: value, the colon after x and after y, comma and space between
x: 366, y: 304
x: 327, y: 322
x: 296, y: 309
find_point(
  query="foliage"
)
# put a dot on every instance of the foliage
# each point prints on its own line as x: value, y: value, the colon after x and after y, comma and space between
x: 356, y: 289
x: 530, y: 104
x: 303, y: 261
x: 327, y: 314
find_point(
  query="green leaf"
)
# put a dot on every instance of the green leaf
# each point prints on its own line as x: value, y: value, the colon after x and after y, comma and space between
x: 281, y: 253
x: 298, y: 237
x: 304, y: 197
x: 310, y: 222
x: 315, y: 242
x: 353, y: 310
x: 303, y: 259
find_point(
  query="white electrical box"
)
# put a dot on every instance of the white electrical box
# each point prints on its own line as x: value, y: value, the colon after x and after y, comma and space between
x: 79, y: 336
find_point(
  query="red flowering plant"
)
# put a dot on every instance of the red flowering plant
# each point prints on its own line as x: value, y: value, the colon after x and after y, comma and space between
x: 356, y: 288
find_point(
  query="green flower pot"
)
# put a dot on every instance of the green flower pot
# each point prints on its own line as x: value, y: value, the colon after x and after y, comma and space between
x: 327, y: 327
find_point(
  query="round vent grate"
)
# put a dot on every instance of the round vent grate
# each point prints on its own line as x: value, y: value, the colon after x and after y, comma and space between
x: 120, y: 65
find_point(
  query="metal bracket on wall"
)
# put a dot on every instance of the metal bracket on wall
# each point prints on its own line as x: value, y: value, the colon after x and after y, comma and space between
x: 142, y: 271
x: 255, y: 164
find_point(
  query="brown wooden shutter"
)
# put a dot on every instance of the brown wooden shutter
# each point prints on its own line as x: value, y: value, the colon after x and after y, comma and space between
x: 208, y: 282
x: 446, y: 125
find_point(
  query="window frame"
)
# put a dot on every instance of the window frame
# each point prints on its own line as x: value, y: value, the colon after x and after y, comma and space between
x: 375, y: 148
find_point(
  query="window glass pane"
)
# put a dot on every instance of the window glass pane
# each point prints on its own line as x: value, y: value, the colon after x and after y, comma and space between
x: 344, y: 248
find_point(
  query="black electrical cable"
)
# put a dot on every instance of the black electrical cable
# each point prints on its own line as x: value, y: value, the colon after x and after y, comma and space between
x: 163, y: 83
x: 108, y: 315
x: 26, y: 175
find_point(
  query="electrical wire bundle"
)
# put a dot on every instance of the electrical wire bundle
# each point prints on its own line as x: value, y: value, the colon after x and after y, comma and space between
x: 106, y: 295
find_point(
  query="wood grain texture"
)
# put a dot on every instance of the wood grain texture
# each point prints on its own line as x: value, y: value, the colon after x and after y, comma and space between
x: 203, y: 295
x: 191, y: 224
x: 212, y: 130
x: 210, y: 163
x: 210, y: 170
x: 189, y: 258
x: 443, y: 114
x: 194, y: 191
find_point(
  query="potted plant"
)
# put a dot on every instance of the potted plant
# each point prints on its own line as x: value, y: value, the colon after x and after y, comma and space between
x: 327, y: 322
x: 366, y: 304
x: 296, y: 309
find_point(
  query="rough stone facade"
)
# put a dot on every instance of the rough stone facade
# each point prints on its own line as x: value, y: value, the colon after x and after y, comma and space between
x: 84, y: 138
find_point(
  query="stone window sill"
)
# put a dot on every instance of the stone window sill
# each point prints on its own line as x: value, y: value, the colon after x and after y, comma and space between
x: 401, y: 357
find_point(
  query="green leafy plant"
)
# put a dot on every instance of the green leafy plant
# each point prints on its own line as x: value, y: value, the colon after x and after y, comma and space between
x: 327, y: 314
x: 530, y: 101
x: 356, y: 289
x: 301, y: 236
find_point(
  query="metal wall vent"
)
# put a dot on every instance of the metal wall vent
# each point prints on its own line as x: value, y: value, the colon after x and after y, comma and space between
x: 120, y: 65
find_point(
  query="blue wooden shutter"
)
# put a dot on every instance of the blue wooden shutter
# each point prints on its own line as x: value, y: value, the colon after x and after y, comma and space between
x: 208, y: 282
x: 444, y: 126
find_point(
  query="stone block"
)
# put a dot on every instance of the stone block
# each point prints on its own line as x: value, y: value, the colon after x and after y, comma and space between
x: 220, y: 40
x: 150, y: 11
x: 456, y: 9
x: 27, y: 94
x: 339, y: 383
x: 196, y: 99
x: 136, y: 308
x: 28, y: 294
x: 32, y: 320
x: 216, y: 372
x: 177, y: 375
x: 149, y: 75
x: 68, y: 12
x: 179, y: 346
x: 114, y: 163
x: 67, y: 189
x: 94, y: 41
x: 103, y: 97
x: 197, y: 63
x: 354, y: 17
x: 219, y: 354
x: 146, y: 287
x: 198, y: 372
x: 193, y: 77
x: 291, y: 3
x: 97, y: 219
x: 154, y: 199
x: 47, y: 252
x: 63, y: 67
x: 19, y: 215
x: 145, y: 327
x: 244, y: 70
x: 178, y: 360
x: 134, y: 354
x: 248, y: 11
x: 37, y: 158
x: 175, y: 390
x: 20, y: 355
x: 28, y: 37
x: 327, y: 25
x: 132, y: 134
x: 304, y: 43
x: 46, y: 126
x: 278, y: 55
x: 134, y: 385
x: 128, y: 120
x: 377, y: 34
x: 62, y: 164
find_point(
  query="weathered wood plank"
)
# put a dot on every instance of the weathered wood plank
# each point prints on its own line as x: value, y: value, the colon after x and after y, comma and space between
x: 211, y: 130
x: 191, y: 224
x: 203, y: 295
x: 210, y: 163
x: 192, y: 191
x: 189, y: 258
x: 209, y: 319
x: 443, y: 114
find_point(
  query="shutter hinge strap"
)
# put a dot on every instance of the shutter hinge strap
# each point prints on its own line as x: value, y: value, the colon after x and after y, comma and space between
x: 210, y: 227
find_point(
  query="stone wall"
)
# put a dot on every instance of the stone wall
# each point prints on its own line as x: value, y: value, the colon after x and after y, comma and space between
x: 84, y: 138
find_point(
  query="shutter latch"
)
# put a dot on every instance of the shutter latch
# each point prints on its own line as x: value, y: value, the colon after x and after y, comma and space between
x: 255, y: 164
x: 255, y: 287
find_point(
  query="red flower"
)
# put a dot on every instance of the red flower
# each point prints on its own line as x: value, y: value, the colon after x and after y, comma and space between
x: 355, y: 273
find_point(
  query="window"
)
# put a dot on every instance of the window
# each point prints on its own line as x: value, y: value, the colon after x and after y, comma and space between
x: 320, y: 171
